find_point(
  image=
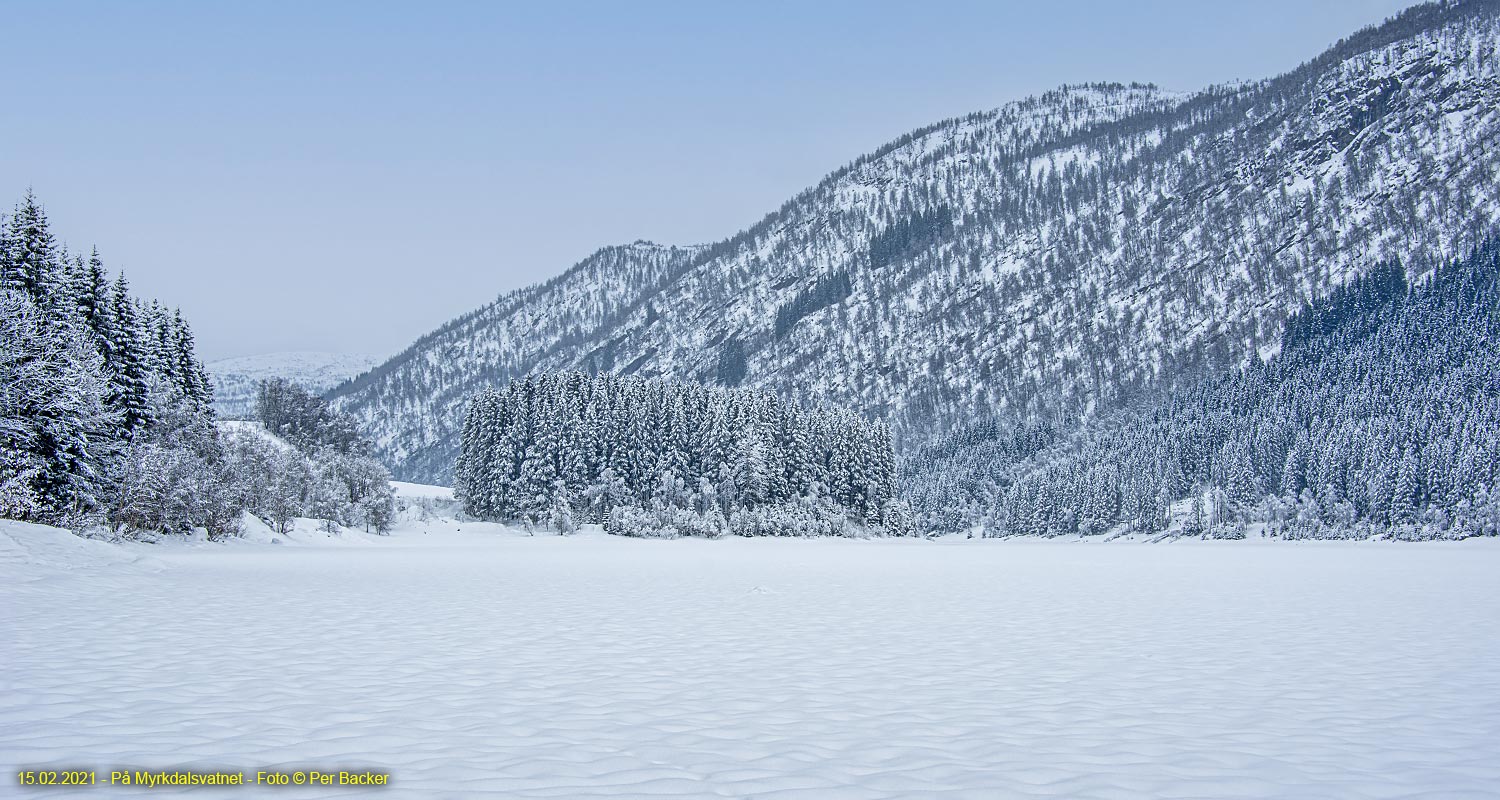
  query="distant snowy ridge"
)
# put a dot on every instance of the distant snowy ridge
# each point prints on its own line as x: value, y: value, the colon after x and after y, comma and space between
x: 1053, y: 254
x: 235, y: 379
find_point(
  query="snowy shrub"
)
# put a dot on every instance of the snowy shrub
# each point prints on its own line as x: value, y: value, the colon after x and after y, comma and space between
x: 896, y: 519
x: 376, y: 513
x: 353, y: 490
x: 802, y: 519
x: 1229, y: 531
x: 665, y: 522
x: 18, y: 500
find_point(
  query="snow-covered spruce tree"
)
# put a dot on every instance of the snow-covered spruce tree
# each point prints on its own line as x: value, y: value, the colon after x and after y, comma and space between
x: 560, y: 515
x: 58, y: 435
x: 655, y: 458
x: 127, y: 358
x: 192, y: 379
x: 90, y: 292
x: 29, y: 260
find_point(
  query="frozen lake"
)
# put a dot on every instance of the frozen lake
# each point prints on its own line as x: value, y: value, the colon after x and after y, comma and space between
x: 484, y: 661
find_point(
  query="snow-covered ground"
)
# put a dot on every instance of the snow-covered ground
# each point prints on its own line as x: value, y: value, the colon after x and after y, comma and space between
x: 414, y: 490
x: 469, y: 659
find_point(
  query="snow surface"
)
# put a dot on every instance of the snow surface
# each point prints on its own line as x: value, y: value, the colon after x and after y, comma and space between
x: 404, y: 489
x: 257, y: 430
x: 467, y: 658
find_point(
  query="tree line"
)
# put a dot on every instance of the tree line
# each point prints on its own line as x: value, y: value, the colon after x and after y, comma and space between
x: 95, y: 380
x: 106, y: 419
x: 652, y: 457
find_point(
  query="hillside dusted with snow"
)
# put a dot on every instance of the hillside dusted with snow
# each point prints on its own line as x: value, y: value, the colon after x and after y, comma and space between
x: 1045, y: 256
x: 235, y: 379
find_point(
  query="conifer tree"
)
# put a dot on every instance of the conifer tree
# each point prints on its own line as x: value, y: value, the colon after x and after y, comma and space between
x: 161, y: 361
x: 59, y: 433
x: 91, y: 293
x: 1403, y: 497
x: 128, y: 386
x: 30, y: 259
x: 560, y: 515
x: 191, y: 378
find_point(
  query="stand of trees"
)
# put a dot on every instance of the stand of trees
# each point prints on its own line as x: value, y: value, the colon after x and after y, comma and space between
x: 654, y: 458
x: 104, y: 405
x: 106, y: 418
x: 305, y: 419
x: 324, y: 472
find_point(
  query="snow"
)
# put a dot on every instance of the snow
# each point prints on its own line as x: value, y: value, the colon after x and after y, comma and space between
x: 257, y: 430
x: 300, y: 365
x: 422, y: 490
x: 466, y: 658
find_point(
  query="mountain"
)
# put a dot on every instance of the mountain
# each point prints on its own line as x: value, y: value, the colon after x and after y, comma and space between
x: 1048, y: 258
x: 234, y: 379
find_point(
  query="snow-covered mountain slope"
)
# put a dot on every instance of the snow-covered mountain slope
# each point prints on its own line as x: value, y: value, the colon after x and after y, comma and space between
x: 235, y: 378
x: 1055, y: 252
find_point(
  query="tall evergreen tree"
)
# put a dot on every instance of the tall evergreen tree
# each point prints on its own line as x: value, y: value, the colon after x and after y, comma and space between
x: 91, y: 294
x: 60, y: 435
x: 128, y: 373
x: 30, y: 260
x: 189, y: 373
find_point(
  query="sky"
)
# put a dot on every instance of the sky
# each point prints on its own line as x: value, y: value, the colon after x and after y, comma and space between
x: 346, y: 176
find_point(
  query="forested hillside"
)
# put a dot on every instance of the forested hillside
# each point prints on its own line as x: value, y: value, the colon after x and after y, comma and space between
x: 412, y: 404
x: 1380, y: 414
x: 1041, y: 261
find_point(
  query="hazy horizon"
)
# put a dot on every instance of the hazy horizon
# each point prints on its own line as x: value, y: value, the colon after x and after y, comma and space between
x: 352, y: 180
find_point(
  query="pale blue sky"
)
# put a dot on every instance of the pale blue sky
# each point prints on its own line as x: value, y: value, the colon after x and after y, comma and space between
x: 347, y: 176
